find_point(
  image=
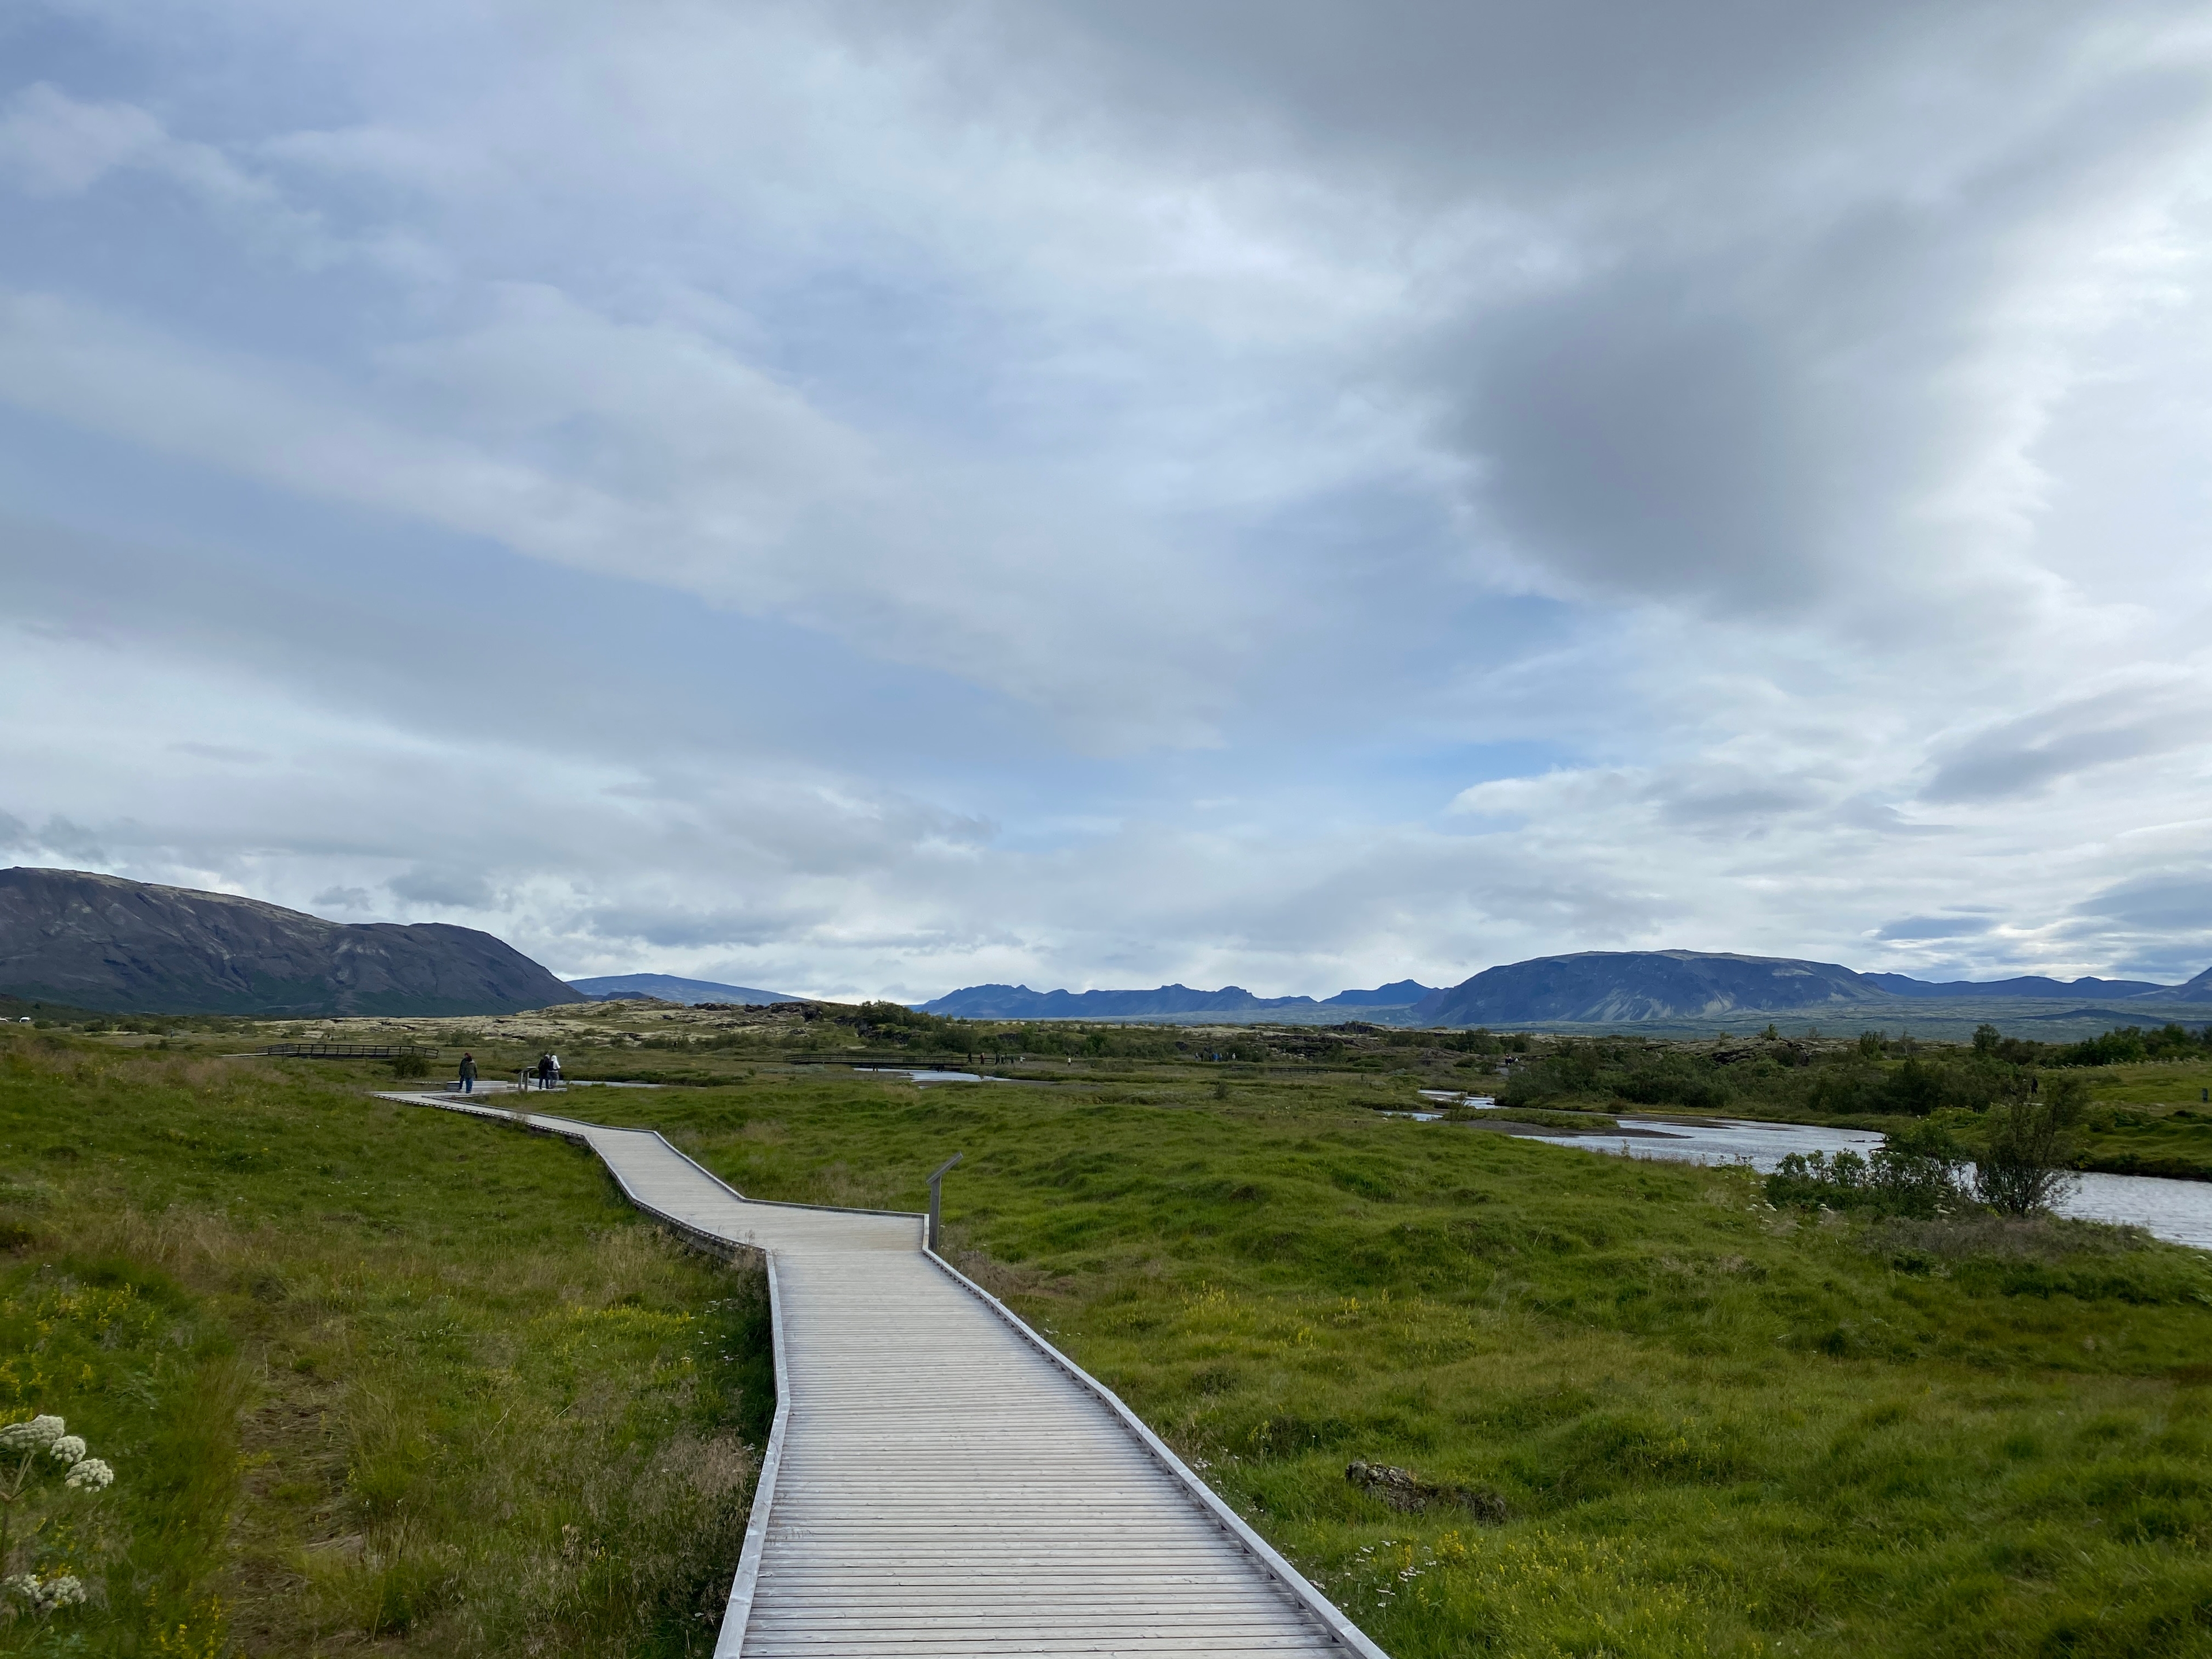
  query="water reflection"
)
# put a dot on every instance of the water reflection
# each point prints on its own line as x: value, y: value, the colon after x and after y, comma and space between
x: 2178, y: 1210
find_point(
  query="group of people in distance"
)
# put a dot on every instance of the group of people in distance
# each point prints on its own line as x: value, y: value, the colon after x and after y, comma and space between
x: 547, y: 1073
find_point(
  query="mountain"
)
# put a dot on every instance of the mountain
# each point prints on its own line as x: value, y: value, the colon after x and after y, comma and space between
x: 2029, y: 985
x: 1621, y: 987
x: 1590, y: 987
x: 1608, y: 986
x: 610, y: 987
x: 1164, y: 1002
x: 121, y: 946
x: 1403, y: 995
x: 1019, y: 1002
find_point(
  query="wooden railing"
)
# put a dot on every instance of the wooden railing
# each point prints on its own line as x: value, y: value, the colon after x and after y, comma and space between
x: 352, y: 1050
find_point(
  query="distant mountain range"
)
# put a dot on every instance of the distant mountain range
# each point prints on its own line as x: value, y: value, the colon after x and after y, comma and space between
x: 2029, y: 986
x: 116, y: 946
x: 612, y: 988
x: 95, y: 942
x: 1596, y: 988
x: 1627, y: 986
x: 1164, y: 1002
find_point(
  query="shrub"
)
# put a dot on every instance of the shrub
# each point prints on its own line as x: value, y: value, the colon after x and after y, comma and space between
x: 2024, y: 1167
x: 1915, y: 1088
x: 1676, y: 1081
x: 1914, y: 1174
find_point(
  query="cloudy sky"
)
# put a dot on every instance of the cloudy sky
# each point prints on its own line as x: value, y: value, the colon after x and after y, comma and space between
x: 864, y: 498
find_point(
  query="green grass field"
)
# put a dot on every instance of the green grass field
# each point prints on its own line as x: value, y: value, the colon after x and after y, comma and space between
x: 371, y: 1378
x: 1659, y: 1417
x: 1713, y: 1428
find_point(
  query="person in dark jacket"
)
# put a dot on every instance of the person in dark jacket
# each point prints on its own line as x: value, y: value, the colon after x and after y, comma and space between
x: 468, y: 1075
x: 544, y: 1071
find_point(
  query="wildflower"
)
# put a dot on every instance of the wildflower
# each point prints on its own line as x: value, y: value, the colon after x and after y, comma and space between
x: 24, y: 1584
x: 93, y: 1475
x: 69, y: 1448
x: 66, y: 1591
x: 38, y: 1433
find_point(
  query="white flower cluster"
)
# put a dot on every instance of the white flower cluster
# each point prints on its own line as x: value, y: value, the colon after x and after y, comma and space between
x: 90, y: 1474
x: 49, y: 1435
x: 64, y: 1589
x: 33, y: 1436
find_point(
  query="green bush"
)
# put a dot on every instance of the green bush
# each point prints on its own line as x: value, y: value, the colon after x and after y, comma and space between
x: 2024, y: 1167
x: 1917, y: 1173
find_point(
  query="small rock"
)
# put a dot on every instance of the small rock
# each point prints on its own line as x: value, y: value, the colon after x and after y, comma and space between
x: 1404, y: 1490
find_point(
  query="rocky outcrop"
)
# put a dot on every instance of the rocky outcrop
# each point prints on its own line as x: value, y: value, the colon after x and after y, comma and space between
x: 100, y: 942
x: 1407, y: 1493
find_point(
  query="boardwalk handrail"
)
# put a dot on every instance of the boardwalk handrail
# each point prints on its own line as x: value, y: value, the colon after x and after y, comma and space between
x: 730, y: 1641
x: 935, y: 1236
x: 352, y: 1050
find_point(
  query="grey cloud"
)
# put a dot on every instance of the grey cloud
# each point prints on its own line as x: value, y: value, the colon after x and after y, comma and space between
x: 344, y: 898
x: 683, y: 927
x: 1742, y: 805
x: 2022, y: 756
x: 1934, y: 927
x: 1030, y: 346
x: 456, y: 888
x: 1542, y: 94
x: 57, y: 835
x: 1640, y: 438
x: 1774, y: 307
x: 2162, y: 903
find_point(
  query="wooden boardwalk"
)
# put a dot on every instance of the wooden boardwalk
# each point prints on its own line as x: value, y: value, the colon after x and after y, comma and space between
x: 941, y: 1480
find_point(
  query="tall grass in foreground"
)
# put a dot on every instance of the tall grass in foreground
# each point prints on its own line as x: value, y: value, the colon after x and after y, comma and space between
x: 368, y: 1376
x: 1710, y: 1427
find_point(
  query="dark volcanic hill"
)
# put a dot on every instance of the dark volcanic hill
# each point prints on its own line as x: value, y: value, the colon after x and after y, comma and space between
x: 1621, y: 989
x: 2028, y: 984
x: 1019, y: 1002
x: 1168, y: 1002
x: 129, y: 947
x: 1608, y: 986
x: 1402, y: 994
x: 670, y: 987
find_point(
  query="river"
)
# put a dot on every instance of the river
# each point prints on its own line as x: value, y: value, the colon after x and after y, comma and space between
x: 2181, y: 1211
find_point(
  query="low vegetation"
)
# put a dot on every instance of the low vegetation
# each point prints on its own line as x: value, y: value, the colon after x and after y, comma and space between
x: 1496, y: 1396
x: 367, y: 1377
x: 1499, y: 1396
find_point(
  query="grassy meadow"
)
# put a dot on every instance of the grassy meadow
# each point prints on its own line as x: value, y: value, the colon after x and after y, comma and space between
x: 1653, y: 1415
x: 1710, y: 1427
x: 371, y: 1379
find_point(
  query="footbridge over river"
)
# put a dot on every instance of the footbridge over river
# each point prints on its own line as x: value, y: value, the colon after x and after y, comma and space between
x: 940, y: 1479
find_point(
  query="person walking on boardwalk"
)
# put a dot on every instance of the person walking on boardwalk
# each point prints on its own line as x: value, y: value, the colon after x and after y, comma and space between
x: 555, y: 1058
x: 468, y: 1073
x: 544, y: 1071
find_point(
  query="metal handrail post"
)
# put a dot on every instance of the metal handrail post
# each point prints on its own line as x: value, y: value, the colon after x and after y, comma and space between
x: 937, y: 1202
